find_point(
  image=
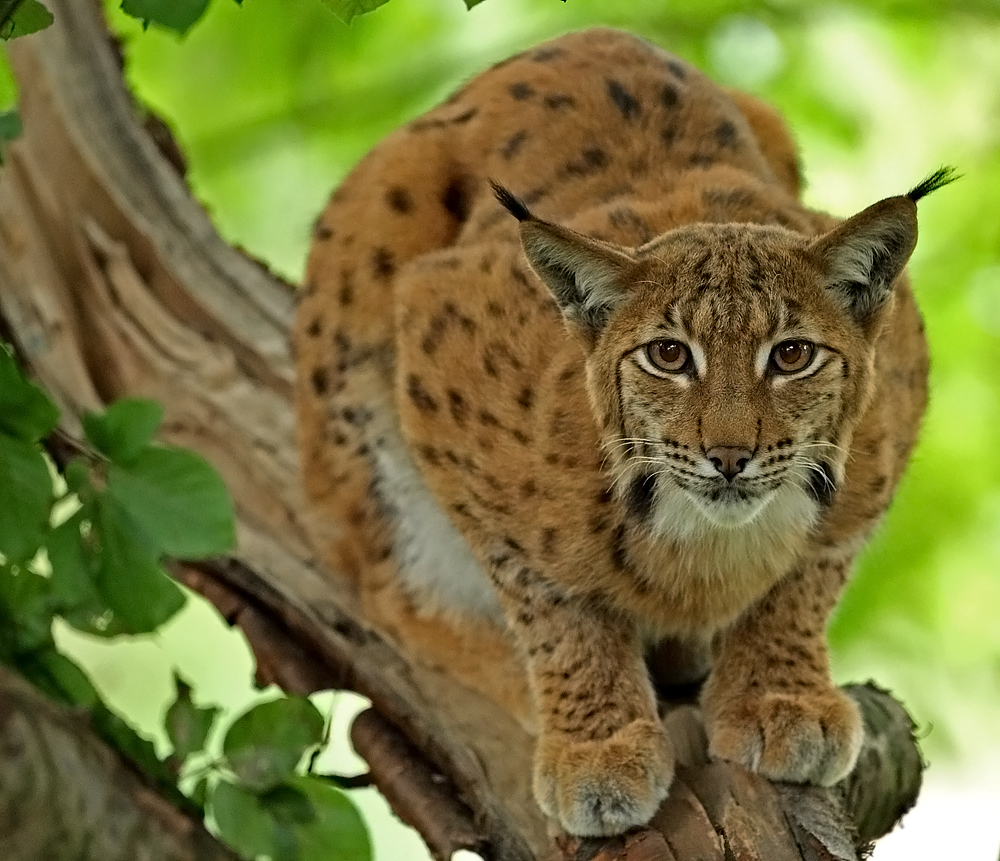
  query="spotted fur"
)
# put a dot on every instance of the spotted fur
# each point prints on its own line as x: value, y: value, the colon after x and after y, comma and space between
x: 522, y: 497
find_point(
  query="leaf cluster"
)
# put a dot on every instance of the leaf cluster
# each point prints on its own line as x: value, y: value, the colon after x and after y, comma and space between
x: 88, y: 547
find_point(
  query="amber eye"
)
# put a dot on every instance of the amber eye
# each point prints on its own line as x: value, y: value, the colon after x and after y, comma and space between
x: 791, y: 356
x: 670, y: 356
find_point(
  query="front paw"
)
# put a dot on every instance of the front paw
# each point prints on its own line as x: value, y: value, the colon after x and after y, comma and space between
x: 812, y: 736
x: 602, y: 788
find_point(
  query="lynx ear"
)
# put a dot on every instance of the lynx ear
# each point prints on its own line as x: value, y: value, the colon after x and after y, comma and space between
x: 863, y: 256
x: 586, y: 277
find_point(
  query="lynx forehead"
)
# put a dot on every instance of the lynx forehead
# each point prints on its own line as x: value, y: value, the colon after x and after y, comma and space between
x: 655, y: 397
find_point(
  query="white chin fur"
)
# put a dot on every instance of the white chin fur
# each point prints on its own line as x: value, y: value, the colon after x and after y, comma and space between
x: 684, y: 516
x: 731, y: 514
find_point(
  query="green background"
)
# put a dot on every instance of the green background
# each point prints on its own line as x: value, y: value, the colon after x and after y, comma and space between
x: 274, y: 101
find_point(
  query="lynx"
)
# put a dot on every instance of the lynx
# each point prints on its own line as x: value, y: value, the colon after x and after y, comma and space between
x: 632, y: 391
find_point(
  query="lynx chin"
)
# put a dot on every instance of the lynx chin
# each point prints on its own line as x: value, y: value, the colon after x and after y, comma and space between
x: 578, y: 372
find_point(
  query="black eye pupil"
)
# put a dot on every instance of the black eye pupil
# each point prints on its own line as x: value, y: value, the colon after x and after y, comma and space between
x: 670, y: 352
x: 792, y: 356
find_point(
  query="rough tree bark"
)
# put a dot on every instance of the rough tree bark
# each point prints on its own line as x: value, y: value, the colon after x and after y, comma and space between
x: 60, y: 787
x: 113, y: 282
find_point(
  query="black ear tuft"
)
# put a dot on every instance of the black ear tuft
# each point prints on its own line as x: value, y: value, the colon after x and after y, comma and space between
x: 514, y: 205
x: 940, y: 178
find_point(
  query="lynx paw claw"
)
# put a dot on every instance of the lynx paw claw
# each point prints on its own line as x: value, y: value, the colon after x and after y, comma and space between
x: 809, y: 737
x: 602, y: 788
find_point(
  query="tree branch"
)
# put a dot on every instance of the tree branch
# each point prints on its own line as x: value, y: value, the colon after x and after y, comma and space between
x: 66, y: 796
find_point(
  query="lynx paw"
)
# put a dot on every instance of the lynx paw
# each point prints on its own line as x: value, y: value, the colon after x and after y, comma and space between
x: 602, y: 788
x: 809, y: 737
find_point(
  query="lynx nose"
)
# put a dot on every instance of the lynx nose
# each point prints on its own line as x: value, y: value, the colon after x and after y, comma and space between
x: 730, y: 460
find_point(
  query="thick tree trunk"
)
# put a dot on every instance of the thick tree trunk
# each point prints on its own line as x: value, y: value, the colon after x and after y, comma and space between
x: 113, y: 282
x: 61, y: 788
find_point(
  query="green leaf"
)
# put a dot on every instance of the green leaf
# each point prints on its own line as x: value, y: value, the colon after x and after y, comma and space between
x: 199, y: 794
x: 10, y: 125
x: 176, y: 15
x: 188, y: 725
x: 288, y: 804
x: 177, y: 499
x: 29, y: 17
x: 70, y: 679
x: 25, y: 498
x: 25, y: 410
x: 124, y: 429
x: 77, y: 475
x: 347, y: 10
x: 242, y: 821
x: 265, y: 744
x: 72, y: 569
x: 26, y: 597
x: 130, y: 579
x: 338, y: 832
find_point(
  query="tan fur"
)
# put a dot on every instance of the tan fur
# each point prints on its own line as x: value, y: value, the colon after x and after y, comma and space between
x: 462, y: 439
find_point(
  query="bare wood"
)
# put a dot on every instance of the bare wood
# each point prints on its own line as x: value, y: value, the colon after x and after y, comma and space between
x: 67, y: 796
x: 113, y: 282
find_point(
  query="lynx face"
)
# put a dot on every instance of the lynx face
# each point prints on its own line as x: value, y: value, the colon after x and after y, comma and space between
x: 731, y: 368
x: 727, y: 364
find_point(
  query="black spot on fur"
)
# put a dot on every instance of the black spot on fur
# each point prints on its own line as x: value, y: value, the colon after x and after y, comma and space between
x: 463, y: 118
x: 626, y: 218
x: 320, y: 381
x: 429, y: 454
x: 558, y: 101
x: 383, y: 263
x: 513, y: 144
x: 526, y: 398
x: 640, y: 496
x: 591, y: 160
x: 544, y: 55
x: 521, y: 91
x: 356, y: 416
x: 726, y: 135
x: 434, y: 333
x: 315, y: 328
x: 728, y: 197
x: 623, y: 99
x: 619, y: 551
x: 458, y: 407
x: 346, y: 295
x: 549, y: 536
x: 822, y: 484
x: 399, y: 199
x: 419, y: 395
x: 669, y: 134
x: 321, y: 231
x: 677, y: 69
x: 669, y: 96
x: 455, y: 199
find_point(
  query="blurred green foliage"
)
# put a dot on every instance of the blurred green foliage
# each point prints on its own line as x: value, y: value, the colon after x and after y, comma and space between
x: 274, y: 101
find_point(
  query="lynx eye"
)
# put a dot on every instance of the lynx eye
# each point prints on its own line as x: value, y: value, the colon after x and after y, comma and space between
x: 671, y: 357
x: 791, y: 356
